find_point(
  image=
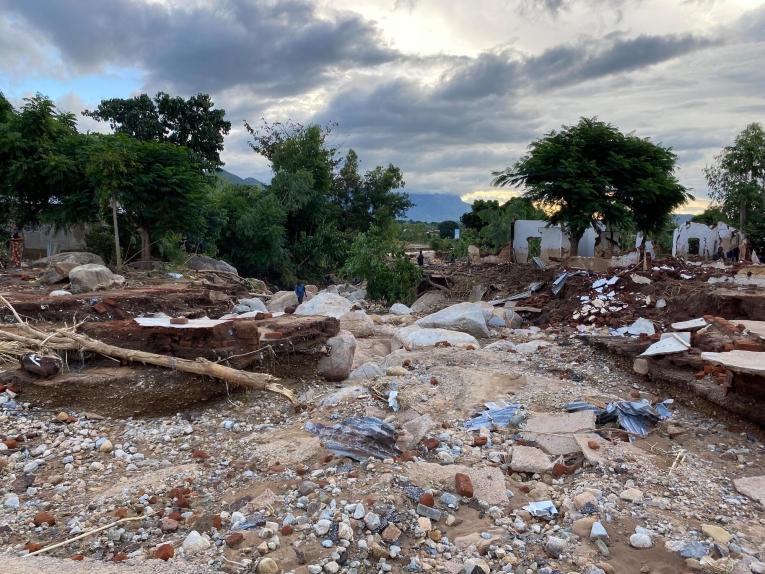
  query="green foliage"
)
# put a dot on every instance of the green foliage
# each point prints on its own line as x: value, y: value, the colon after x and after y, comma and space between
x: 446, y: 229
x: 737, y: 183
x: 38, y: 166
x: 99, y: 239
x: 492, y: 222
x: 253, y: 237
x: 711, y: 215
x: 192, y: 123
x: 592, y: 173
x: 379, y: 257
x: 417, y: 232
x: 326, y: 201
x: 441, y: 244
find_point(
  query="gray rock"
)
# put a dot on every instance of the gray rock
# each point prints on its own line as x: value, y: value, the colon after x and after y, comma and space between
x: 322, y: 527
x: 268, y: 566
x: 429, y: 512
x: 428, y: 302
x: 337, y: 365
x: 695, y: 550
x: 11, y: 501
x: 529, y: 459
x: 194, y: 543
x: 366, y: 371
x: 474, y: 566
x: 400, y: 309
x: 72, y: 257
x: 465, y: 317
x: 358, y: 323
x: 641, y: 540
x: 325, y: 305
x: 592, y: 569
x: 204, y: 263
x: 555, y: 546
x: 372, y: 521
x: 253, y: 305
x: 92, y: 277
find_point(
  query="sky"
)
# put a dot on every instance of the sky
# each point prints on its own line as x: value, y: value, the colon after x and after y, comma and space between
x: 448, y: 90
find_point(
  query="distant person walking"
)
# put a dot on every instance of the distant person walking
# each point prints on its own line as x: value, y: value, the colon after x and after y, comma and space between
x: 420, y: 259
x: 17, y: 248
x: 300, y: 292
x: 734, y: 252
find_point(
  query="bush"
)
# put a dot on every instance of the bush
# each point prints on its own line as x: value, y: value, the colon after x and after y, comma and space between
x: 379, y: 257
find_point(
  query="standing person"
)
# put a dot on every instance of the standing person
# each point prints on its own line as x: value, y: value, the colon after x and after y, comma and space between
x: 420, y: 259
x: 300, y: 292
x: 17, y: 248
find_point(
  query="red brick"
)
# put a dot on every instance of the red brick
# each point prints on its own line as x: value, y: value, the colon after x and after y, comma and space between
x: 11, y: 443
x: 32, y: 546
x: 199, y: 454
x: 78, y: 557
x: 44, y: 518
x: 234, y: 539
x: 430, y: 443
x: 287, y: 530
x: 480, y: 440
x: 164, y: 551
x: 427, y: 499
x: 120, y: 557
x: 463, y: 485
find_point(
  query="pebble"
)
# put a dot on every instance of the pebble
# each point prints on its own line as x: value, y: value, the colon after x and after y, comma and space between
x: 372, y: 521
x: 555, y: 546
x: 268, y: 566
x: 11, y: 501
x: 641, y: 540
x: 194, y: 543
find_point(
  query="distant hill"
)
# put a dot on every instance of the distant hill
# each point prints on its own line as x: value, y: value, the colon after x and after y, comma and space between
x: 236, y: 180
x: 436, y: 207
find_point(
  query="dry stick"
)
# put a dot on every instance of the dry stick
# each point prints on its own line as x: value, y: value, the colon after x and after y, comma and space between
x: 75, y: 341
x: 83, y: 535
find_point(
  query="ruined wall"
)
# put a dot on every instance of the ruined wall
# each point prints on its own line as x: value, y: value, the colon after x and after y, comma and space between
x: 554, y: 243
x: 44, y: 240
x: 709, y: 237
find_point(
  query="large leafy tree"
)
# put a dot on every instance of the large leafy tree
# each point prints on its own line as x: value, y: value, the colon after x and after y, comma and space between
x: 736, y: 181
x: 38, y: 159
x: 192, y: 123
x: 592, y: 173
x: 327, y: 201
x: 492, y: 222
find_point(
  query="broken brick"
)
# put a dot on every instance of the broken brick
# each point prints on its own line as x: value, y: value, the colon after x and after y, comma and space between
x: 463, y: 485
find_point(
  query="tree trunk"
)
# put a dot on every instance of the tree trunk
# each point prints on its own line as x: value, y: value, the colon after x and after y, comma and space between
x: 117, y: 250
x: 145, y: 244
x: 742, y: 247
x: 642, y: 252
x: 574, y: 240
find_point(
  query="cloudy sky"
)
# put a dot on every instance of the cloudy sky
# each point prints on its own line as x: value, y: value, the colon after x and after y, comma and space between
x: 447, y: 89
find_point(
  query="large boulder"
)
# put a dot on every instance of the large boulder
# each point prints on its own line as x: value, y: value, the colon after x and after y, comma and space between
x: 465, y: 317
x: 76, y: 257
x: 415, y: 337
x: 326, y: 305
x: 337, y: 365
x: 428, y: 302
x: 205, y: 263
x: 357, y: 295
x: 92, y: 277
x: 281, y: 300
x: 358, y: 323
x: 400, y: 309
x: 57, y: 273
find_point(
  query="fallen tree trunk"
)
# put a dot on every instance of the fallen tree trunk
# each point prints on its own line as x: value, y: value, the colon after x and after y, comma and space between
x: 67, y: 339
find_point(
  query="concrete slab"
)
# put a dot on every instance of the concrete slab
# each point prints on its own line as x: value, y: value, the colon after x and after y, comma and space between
x: 554, y: 432
x: 756, y: 327
x: 488, y: 483
x: 738, y: 361
x: 752, y: 486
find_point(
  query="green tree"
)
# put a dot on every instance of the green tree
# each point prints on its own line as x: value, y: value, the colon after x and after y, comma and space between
x: 326, y: 200
x: 378, y: 257
x: 191, y: 123
x: 592, y: 173
x: 736, y: 179
x: 38, y: 159
x: 446, y: 229
x: 253, y: 234
x: 711, y: 215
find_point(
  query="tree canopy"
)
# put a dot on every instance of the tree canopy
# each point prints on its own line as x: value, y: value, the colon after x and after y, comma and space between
x: 736, y: 181
x: 592, y: 173
x: 191, y: 123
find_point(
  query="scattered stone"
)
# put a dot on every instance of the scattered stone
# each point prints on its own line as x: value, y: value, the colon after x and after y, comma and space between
x: 555, y: 546
x: 194, y: 543
x: 716, y: 533
x: 372, y: 521
x: 463, y: 485
x: 268, y: 566
x: 529, y: 459
x: 337, y: 365
x: 476, y: 567
x: 391, y: 533
x: 164, y: 552
x: 641, y: 540
x: 632, y: 495
x: 44, y: 518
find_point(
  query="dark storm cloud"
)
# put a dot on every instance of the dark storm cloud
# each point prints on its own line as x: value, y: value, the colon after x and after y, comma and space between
x: 280, y: 48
